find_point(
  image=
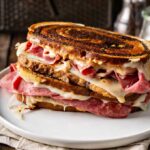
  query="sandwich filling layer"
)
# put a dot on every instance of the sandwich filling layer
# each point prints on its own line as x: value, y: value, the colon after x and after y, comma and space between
x: 132, y: 77
x: 108, y: 109
x: 35, y: 93
x: 15, y: 83
x: 70, y: 67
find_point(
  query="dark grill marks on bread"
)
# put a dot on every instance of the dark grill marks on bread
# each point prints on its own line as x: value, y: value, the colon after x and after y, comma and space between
x: 89, y: 43
x: 39, y: 78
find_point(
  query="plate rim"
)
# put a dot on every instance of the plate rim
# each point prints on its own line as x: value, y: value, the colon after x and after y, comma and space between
x: 5, y: 121
x: 28, y: 134
x: 71, y: 143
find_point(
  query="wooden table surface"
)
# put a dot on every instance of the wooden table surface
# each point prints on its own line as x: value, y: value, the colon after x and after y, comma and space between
x: 7, y: 47
x: 8, y: 55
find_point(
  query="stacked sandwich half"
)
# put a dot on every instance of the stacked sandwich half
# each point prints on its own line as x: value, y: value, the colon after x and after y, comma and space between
x: 71, y: 67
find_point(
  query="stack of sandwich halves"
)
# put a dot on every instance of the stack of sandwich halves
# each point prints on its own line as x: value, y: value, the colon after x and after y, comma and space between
x: 71, y: 67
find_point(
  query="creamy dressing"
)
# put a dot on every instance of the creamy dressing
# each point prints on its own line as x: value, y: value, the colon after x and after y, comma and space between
x: 31, y: 100
x: 33, y: 57
x: 50, y: 51
x: 34, y: 40
x: 135, y: 59
x: 141, y: 67
x: 63, y: 66
x: 81, y: 64
x: 21, y: 48
x: 113, y: 87
x: 67, y: 95
x: 108, y: 67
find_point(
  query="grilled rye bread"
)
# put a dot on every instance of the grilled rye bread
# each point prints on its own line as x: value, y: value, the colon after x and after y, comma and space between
x: 33, y: 77
x: 100, y: 47
x: 75, y: 41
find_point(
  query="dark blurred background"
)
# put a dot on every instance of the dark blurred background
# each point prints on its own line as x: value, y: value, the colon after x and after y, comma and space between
x: 17, y: 15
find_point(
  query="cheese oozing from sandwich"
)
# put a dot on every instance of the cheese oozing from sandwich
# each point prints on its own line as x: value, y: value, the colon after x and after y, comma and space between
x: 64, y: 94
x: 112, y: 86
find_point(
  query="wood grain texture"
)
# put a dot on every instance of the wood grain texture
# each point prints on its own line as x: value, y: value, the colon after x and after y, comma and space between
x: 5, y: 40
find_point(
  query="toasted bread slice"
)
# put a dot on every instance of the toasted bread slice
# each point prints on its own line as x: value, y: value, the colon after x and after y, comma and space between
x: 33, y: 77
x: 75, y: 41
x: 44, y: 70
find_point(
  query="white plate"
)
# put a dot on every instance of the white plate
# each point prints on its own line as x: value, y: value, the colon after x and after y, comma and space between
x: 74, y: 130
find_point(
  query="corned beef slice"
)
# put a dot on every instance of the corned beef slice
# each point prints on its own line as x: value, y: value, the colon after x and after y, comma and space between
x: 135, y: 83
x: 95, y: 106
x: 39, y: 51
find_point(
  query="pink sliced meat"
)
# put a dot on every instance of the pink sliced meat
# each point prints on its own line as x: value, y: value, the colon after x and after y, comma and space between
x: 141, y: 86
x: 7, y: 81
x: 38, y: 51
x: 15, y: 84
x: 128, y: 80
x: 88, y: 70
x: 134, y: 83
x: 100, y: 108
x: 52, y: 60
x: 92, y: 105
x: 13, y: 67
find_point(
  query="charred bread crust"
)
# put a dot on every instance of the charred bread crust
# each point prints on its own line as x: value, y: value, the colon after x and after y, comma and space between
x: 47, y: 105
x: 29, y: 75
x: 48, y: 70
x: 76, y: 41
